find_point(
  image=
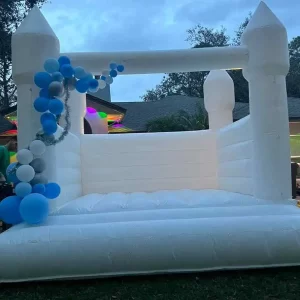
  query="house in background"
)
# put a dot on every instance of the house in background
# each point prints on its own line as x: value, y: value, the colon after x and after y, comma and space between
x: 132, y: 117
x: 138, y: 114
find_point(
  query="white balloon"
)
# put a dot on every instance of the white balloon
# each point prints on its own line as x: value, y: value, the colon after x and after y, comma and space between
x: 24, y: 157
x: 25, y: 173
x: 94, y: 90
x: 102, y: 84
x: 37, y: 147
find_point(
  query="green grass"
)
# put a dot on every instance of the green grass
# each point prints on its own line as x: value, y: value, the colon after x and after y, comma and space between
x: 271, y: 284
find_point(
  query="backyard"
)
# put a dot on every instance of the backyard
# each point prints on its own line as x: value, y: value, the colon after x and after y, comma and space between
x: 271, y: 284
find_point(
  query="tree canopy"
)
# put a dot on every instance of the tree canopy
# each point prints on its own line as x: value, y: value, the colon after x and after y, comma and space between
x: 191, y: 84
x: 12, y: 14
x: 182, y: 121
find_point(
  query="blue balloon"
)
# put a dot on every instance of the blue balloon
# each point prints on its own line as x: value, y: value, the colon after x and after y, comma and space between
x: 93, y: 84
x: 79, y: 72
x: 64, y: 60
x: 44, y: 93
x: 42, y: 79
x: 113, y: 66
x: 67, y: 71
x: 56, y: 106
x: 9, y: 210
x: 47, y: 116
x: 103, y: 78
x: 113, y: 73
x: 23, y: 189
x: 11, y: 173
x: 52, y: 190
x: 41, y: 104
x: 82, y: 86
x: 49, y: 127
x: 39, y: 188
x: 34, y: 208
x: 51, y: 65
x: 120, y: 68
x: 57, y: 76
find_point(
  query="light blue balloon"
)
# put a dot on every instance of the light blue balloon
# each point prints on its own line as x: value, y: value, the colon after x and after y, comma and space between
x: 51, y: 65
x: 79, y: 72
x: 23, y: 189
x: 9, y: 210
x: 34, y: 208
x: 88, y: 77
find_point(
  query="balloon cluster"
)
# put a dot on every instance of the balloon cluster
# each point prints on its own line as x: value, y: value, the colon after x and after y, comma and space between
x: 32, y: 189
x: 60, y: 73
x: 60, y: 78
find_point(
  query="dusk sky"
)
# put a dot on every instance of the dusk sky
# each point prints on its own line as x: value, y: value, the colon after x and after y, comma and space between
x: 100, y: 25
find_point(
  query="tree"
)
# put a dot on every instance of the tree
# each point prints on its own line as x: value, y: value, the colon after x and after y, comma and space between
x: 293, y: 77
x: 12, y: 14
x: 182, y: 121
x: 191, y: 84
x: 241, y: 88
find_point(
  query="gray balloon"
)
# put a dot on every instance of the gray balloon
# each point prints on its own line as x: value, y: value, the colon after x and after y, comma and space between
x: 39, y: 178
x: 109, y: 80
x: 39, y: 165
x: 55, y: 88
x: 105, y: 73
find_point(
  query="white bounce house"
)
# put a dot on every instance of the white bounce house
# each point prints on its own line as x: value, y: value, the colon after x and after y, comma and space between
x: 163, y: 202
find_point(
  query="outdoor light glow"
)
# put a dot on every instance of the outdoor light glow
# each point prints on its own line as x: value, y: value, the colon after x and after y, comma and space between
x: 91, y: 110
x: 117, y: 126
x: 102, y: 115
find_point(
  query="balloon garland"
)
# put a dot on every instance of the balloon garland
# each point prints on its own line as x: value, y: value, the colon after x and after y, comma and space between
x: 32, y: 189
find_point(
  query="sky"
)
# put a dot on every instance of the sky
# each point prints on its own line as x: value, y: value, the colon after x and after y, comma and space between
x: 124, y: 25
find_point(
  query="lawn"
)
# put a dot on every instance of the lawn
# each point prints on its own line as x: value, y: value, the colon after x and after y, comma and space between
x: 272, y: 284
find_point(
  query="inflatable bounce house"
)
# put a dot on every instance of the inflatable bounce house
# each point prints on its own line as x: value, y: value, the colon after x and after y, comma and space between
x: 103, y: 205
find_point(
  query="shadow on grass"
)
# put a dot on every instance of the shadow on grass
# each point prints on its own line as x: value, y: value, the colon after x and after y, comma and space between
x: 267, y: 284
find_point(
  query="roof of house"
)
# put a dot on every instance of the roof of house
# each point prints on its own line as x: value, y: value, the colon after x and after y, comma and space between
x: 138, y: 114
x: 5, y: 125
